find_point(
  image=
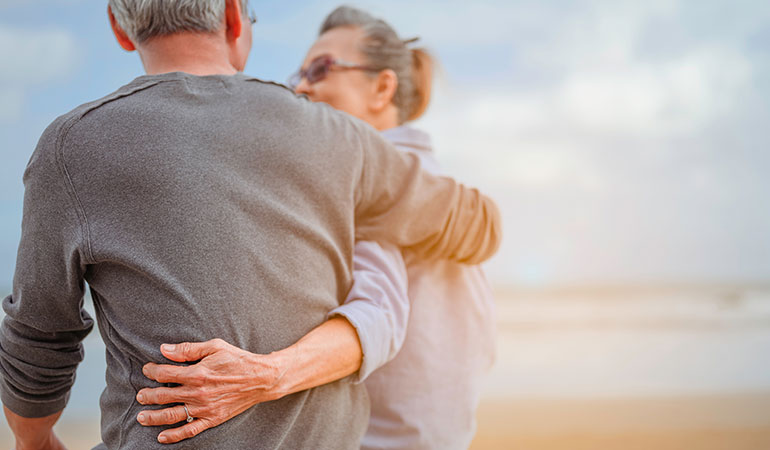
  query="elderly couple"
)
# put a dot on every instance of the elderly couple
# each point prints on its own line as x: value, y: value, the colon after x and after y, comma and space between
x: 267, y: 271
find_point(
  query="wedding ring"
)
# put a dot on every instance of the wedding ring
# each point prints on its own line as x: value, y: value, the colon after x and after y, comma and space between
x: 189, y: 417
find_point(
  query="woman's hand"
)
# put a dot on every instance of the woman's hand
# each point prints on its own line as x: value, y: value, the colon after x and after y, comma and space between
x: 226, y: 382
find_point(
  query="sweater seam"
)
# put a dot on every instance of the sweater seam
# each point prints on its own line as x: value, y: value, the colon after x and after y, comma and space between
x: 60, y: 158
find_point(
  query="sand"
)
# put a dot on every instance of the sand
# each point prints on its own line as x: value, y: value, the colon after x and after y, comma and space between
x: 724, y: 422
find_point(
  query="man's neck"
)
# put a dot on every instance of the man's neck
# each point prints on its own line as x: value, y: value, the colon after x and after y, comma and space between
x: 194, y: 53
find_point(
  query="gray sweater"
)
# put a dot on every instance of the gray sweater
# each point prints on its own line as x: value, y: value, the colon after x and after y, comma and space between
x: 204, y: 207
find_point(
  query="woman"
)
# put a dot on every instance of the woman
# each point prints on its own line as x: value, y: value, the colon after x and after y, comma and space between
x: 427, y: 395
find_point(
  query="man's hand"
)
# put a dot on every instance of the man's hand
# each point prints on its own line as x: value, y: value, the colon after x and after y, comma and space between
x: 34, y: 434
x: 226, y: 382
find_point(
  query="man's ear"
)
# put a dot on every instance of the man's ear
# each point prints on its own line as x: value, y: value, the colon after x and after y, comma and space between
x: 385, y: 87
x: 120, y: 35
x: 233, y: 19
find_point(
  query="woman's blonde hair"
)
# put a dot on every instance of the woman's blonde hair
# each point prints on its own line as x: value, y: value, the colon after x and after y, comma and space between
x: 385, y: 50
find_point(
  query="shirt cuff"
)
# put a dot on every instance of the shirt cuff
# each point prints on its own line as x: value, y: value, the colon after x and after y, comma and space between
x: 370, y: 324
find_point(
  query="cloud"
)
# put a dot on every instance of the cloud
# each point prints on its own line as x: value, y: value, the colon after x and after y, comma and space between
x: 11, y: 104
x: 36, y: 56
x: 32, y: 57
x: 11, y: 3
x: 594, y: 84
x: 645, y: 98
x: 612, y: 146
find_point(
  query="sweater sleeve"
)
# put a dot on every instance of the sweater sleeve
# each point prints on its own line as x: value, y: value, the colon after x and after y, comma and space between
x: 41, y: 334
x: 433, y: 216
x: 377, y: 305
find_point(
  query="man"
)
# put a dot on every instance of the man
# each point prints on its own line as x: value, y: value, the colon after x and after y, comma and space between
x: 199, y: 203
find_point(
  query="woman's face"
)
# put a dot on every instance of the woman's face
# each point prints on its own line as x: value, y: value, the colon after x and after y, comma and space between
x: 351, y: 91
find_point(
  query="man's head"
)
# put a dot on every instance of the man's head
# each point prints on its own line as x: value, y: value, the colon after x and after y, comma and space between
x: 138, y: 23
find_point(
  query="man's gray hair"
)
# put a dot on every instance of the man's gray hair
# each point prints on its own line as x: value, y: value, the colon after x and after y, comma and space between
x: 144, y: 19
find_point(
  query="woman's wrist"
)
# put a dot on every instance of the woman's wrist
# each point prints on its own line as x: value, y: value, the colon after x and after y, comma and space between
x: 282, y: 362
x: 328, y: 353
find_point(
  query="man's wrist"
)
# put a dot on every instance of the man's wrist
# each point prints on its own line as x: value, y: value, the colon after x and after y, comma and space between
x: 33, y: 433
x: 42, y: 440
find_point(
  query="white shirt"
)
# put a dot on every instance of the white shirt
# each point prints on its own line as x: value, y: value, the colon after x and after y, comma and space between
x: 425, y: 395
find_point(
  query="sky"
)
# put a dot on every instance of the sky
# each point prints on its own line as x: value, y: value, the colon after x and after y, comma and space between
x: 624, y: 141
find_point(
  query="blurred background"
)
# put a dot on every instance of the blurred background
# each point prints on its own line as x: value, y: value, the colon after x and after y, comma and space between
x: 627, y: 144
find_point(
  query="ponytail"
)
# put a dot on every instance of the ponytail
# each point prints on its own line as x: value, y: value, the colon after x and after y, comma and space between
x: 422, y: 80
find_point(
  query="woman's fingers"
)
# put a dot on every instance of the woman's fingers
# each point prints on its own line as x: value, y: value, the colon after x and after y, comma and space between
x: 167, y: 416
x: 224, y: 382
x: 186, y: 431
x: 166, y: 395
x: 165, y: 373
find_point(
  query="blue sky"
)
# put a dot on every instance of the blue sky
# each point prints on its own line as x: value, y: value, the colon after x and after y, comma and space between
x: 625, y: 141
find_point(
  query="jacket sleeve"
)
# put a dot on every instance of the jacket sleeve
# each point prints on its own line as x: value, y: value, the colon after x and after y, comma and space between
x: 433, y: 216
x: 377, y: 305
x: 41, y: 334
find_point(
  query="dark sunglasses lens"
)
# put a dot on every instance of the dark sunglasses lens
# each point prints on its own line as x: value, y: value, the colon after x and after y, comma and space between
x: 318, y: 70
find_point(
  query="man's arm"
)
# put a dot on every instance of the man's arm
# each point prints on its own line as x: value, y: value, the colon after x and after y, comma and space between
x: 229, y: 380
x: 34, y: 434
x: 41, y: 334
x: 433, y: 216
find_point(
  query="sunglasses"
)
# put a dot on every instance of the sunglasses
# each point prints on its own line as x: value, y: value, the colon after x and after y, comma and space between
x: 320, y: 67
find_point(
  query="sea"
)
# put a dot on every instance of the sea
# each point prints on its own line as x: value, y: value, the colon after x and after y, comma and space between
x: 605, y: 342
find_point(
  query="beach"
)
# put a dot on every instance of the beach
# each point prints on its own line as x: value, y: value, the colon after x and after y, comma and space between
x: 727, y: 422
x: 676, y: 368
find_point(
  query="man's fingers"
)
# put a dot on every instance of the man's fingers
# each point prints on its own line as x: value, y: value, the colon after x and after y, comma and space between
x: 167, y: 416
x: 163, y: 396
x: 186, y: 431
x: 190, y: 351
x: 165, y: 373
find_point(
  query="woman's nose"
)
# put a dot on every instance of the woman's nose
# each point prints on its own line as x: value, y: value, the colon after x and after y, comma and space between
x: 303, y: 87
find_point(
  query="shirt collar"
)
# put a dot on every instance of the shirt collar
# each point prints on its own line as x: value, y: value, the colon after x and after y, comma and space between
x: 406, y: 136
